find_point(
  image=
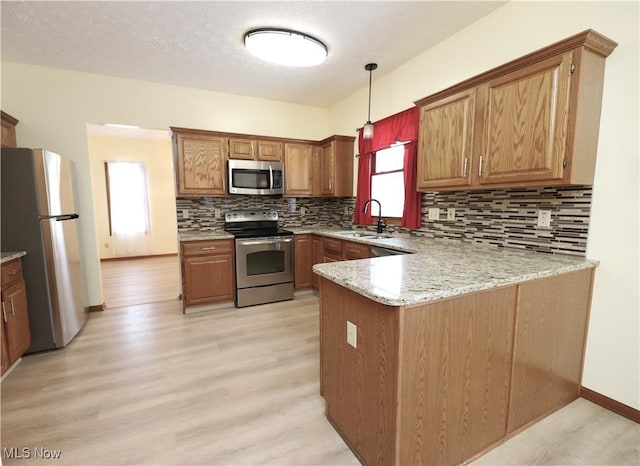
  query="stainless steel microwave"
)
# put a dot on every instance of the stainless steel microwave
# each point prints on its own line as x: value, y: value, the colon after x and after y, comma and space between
x: 254, y: 177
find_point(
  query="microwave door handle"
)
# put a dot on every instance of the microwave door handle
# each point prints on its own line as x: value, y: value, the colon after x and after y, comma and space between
x: 270, y: 178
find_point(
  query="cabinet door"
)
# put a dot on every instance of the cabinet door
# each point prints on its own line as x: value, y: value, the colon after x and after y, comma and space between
x: 446, y: 142
x: 242, y: 149
x: 270, y: 151
x: 14, y: 303
x: 352, y: 250
x: 201, y: 165
x: 317, y: 258
x: 5, y: 351
x: 298, y: 162
x: 303, y: 261
x: 208, y: 279
x: 316, y: 176
x: 327, y: 169
x: 525, y: 123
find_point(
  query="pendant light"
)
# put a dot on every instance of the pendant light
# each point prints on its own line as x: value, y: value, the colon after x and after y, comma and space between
x: 367, y: 130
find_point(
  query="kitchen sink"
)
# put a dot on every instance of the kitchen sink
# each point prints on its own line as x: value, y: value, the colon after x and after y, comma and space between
x: 363, y: 235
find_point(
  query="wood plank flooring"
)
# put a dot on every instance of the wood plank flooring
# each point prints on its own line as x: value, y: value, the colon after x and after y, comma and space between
x: 147, y: 385
x: 128, y: 282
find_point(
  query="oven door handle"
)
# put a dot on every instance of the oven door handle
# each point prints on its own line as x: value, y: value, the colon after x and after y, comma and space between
x: 264, y: 241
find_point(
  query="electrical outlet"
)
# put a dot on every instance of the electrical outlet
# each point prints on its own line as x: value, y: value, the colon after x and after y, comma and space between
x: 434, y: 213
x: 346, y: 210
x: 106, y: 245
x: 218, y: 213
x: 544, y: 218
x: 352, y: 334
x: 185, y: 213
x: 451, y: 214
x: 303, y: 211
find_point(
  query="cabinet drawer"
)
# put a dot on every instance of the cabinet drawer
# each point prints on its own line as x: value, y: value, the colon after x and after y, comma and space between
x: 203, y: 248
x: 11, y: 272
x: 332, y: 246
x: 355, y: 250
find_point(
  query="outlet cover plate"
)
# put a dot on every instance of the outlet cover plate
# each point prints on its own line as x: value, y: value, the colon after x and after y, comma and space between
x: 434, y: 213
x: 544, y: 218
x: 352, y: 334
x: 451, y: 214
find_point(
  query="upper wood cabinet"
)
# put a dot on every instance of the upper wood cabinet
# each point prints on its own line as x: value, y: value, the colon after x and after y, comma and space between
x: 255, y: 149
x: 335, y: 167
x: 525, y: 123
x: 8, y: 130
x: 531, y: 122
x: 298, y: 162
x: 200, y: 162
x: 312, y: 168
x: 446, y: 135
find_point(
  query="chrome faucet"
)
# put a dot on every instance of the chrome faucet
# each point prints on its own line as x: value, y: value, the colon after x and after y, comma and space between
x: 380, y: 225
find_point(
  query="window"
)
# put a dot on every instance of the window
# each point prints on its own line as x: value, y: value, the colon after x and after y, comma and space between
x: 387, y: 181
x: 127, y: 198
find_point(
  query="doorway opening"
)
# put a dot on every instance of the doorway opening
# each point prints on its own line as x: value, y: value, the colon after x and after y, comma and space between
x: 135, y: 208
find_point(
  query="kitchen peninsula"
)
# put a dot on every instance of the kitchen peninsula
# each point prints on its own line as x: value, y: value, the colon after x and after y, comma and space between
x: 436, y: 357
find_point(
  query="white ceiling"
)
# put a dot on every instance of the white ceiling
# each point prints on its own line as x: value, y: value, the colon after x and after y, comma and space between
x: 199, y: 44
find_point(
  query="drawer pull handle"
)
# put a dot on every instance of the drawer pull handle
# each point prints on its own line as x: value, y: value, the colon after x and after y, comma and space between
x: 4, y: 312
x: 355, y: 251
x: 13, y: 307
x: 208, y: 249
x: 14, y: 272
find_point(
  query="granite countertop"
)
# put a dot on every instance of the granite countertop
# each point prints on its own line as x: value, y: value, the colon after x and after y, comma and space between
x: 11, y: 255
x: 203, y: 235
x: 440, y: 269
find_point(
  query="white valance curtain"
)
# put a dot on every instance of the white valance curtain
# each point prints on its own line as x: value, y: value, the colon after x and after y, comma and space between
x: 128, y: 208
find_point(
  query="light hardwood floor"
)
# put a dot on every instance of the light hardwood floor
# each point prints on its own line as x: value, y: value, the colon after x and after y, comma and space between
x: 145, y: 280
x: 147, y: 385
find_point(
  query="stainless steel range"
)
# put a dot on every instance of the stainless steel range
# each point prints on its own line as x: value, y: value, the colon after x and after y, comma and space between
x: 264, y: 257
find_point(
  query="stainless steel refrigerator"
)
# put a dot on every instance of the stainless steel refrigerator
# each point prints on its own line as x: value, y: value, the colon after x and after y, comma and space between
x: 39, y: 216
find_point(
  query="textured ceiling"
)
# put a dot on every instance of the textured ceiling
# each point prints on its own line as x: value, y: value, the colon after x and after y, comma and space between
x: 199, y: 44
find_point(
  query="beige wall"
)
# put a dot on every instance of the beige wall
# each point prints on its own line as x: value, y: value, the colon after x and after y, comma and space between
x: 54, y: 106
x: 157, y: 156
x: 612, y: 364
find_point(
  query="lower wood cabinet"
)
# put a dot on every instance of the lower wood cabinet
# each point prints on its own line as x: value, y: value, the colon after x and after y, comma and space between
x: 303, y: 253
x: 208, y: 274
x: 441, y: 382
x: 16, y: 335
x: 316, y: 250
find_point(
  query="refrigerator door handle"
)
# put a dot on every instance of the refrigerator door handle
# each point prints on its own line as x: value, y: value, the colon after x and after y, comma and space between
x: 59, y: 218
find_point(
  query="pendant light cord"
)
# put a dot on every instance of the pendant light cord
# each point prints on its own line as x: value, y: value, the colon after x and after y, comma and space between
x: 369, y: 112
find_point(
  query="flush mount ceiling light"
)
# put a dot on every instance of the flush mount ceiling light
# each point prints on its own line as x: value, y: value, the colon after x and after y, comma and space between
x: 367, y: 129
x: 285, y: 47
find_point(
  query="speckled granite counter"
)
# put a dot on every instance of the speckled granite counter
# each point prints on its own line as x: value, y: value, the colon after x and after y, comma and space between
x: 203, y: 235
x: 440, y: 269
x: 11, y: 255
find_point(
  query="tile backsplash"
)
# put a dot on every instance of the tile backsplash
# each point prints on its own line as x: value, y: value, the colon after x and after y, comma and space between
x: 500, y: 218
x: 508, y: 218
x: 336, y: 212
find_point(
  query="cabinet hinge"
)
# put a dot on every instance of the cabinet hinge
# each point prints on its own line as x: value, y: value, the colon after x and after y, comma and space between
x: 572, y: 68
x: 564, y: 163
